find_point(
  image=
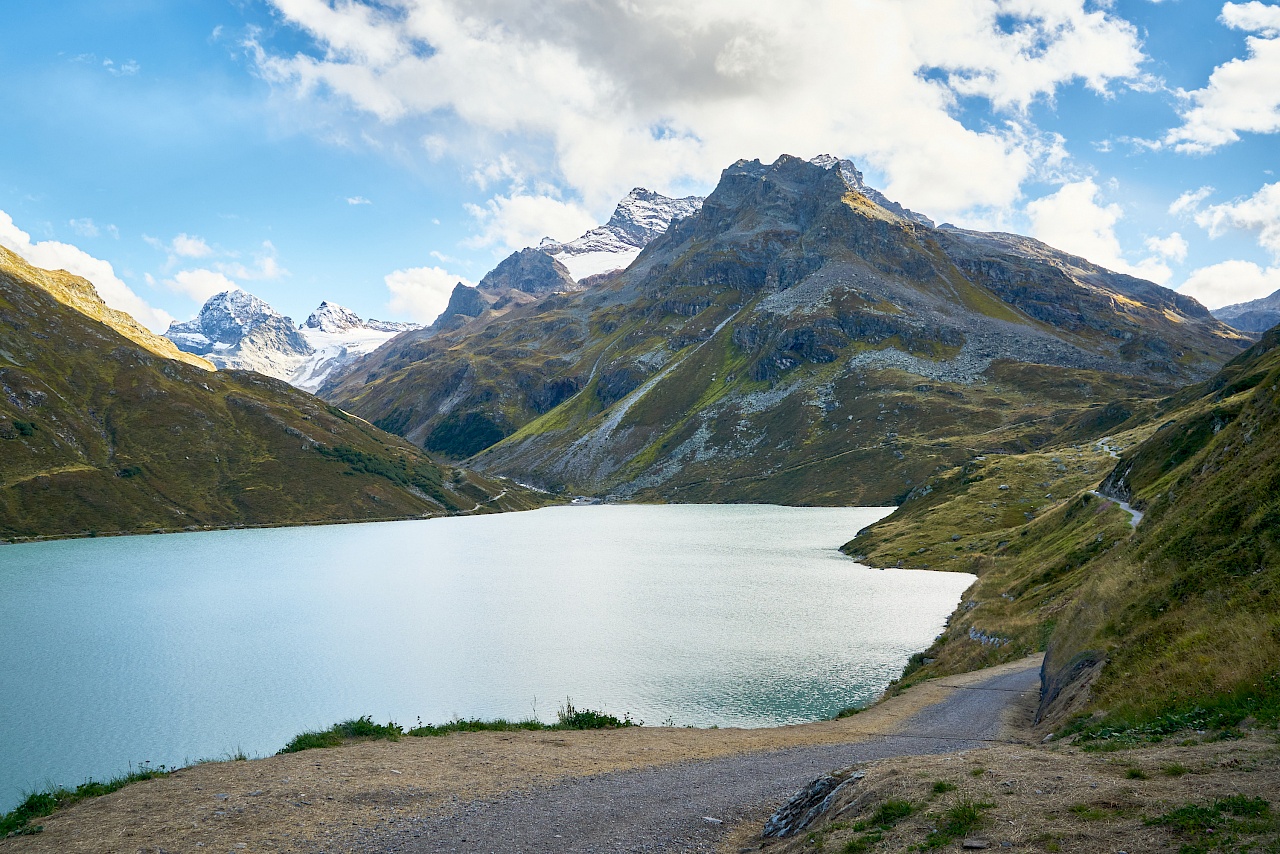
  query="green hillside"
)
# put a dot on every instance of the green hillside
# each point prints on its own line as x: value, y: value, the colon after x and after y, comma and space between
x: 101, y: 434
x: 1180, y: 612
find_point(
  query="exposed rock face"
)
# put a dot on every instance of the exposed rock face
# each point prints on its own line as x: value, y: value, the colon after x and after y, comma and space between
x: 639, y: 218
x: 530, y: 270
x: 793, y: 340
x: 1255, y: 316
x: 465, y: 304
x: 237, y: 330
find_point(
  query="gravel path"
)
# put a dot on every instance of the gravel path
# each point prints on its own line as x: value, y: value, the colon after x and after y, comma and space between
x: 687, y: 806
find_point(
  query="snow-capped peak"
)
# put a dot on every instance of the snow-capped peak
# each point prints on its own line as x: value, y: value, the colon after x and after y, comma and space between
x: 331, y: 317
x: 853, y: 178
x: 639, y: 218
x: 227, y: 317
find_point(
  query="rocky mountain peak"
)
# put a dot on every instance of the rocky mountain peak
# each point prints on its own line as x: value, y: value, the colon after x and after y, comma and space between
x: 533, y: 271
x: 331, y: 317
x: 227, y: 317
x: 639, y: 218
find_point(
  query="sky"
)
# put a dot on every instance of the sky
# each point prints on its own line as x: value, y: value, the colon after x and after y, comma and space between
x: 375, y: 152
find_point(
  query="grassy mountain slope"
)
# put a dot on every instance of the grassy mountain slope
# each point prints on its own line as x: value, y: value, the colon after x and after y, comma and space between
x: 794, y: 341
x: 1179, y: 611
x: 79, y: 294
x: 99, y: 433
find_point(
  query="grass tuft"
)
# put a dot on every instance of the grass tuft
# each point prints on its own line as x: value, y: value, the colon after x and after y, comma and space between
x: 17, y: 822
x: 960, y: 819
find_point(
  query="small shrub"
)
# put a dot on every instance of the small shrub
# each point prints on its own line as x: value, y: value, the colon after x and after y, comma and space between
x: 357, y: 729
x: 25, y: 428
x: 571, y: 718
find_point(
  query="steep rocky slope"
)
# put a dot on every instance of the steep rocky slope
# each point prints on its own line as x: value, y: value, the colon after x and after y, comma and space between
x: 1153, y: 580
x: 795, y: 340
x: 99, y: 433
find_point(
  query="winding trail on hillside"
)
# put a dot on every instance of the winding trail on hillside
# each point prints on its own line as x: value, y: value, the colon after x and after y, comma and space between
x: 688, y: 806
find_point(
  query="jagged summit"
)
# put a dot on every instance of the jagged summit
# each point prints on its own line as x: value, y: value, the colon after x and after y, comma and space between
x: 331, y: 317
x: 854, y: 179
x: 225, y: 319
x: 639, y: 218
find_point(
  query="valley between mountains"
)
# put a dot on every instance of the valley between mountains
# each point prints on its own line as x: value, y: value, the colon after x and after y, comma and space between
x: 793, y: 338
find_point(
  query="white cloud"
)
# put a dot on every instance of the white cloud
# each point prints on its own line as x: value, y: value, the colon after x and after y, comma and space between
x: 200, y: 284
x: 53, y: 255
x: 421, y: 292
x: 187, y: 246
x: 1190, y: 200
x: 667, y: 93
x: 265, y: 265
x: 1242, y: 95
x: 358, y: 200
x: 84, y: 227
x: 513, y: 222
x: 1174, y: 247
x: 1231, y: 282
x: 124, y: 69
x: 1072, y: 219
x: 1260, y: 212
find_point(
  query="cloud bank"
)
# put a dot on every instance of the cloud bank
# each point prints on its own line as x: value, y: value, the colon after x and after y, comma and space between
x: 595, y: 96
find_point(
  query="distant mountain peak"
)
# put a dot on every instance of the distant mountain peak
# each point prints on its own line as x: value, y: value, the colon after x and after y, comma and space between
x: 641, y: 216
x: 331, y: 317
x: 236, y: 329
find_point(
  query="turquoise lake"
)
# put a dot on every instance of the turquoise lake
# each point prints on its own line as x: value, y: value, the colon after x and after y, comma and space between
x: 173, y: 648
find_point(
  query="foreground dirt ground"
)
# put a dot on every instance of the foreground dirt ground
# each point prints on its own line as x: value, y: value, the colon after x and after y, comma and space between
x: 298, y: 801
x: 1188, y: 794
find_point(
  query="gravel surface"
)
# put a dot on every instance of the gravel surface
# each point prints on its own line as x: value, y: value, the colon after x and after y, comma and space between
x: 687, y: 806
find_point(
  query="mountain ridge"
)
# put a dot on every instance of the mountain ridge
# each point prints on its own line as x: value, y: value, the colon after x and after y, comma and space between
x: 767, y: 332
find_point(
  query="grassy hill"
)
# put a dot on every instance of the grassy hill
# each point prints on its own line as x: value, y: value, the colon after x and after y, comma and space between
x: 1178, y: 615
x: 103, y: 430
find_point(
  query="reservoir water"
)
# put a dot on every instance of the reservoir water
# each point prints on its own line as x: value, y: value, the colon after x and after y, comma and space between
x: 172, y: 648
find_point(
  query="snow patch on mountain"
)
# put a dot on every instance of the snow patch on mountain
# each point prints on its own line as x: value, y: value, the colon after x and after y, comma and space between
x: 639, y: 218
x: 236, y: 330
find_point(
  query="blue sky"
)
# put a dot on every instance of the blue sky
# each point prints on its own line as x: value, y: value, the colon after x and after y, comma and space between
x: 374, y: 153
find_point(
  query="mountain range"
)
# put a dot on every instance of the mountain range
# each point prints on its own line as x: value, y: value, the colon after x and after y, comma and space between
x: 235, y: 329
x: 799, y: 338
